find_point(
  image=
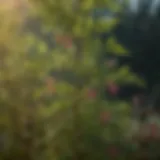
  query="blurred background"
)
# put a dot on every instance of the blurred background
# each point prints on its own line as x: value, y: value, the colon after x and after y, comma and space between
x: 79, y: 79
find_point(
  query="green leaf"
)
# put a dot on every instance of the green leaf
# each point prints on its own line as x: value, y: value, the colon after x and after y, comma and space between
x: 42, y: 47
x: 113, y: 47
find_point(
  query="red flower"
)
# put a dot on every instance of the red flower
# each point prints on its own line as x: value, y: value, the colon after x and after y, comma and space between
x: 68, y: 43
x: 92, y: 94
x: 113, y: 151
x: 105, y: 117
x: 113, y: 88
x: 50, y: 85
x: 64, y: 41
x: 154, y: 131
x: 59, y: 39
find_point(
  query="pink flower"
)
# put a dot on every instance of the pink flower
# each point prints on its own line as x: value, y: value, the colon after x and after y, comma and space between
x: 113, y: 88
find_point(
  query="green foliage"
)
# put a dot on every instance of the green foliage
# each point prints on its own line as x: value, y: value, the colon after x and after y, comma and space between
x: 113, y: 47
x: 129, y: 78
x: 83, y: 63
x: 63, y: 117
x: 22, y: 88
